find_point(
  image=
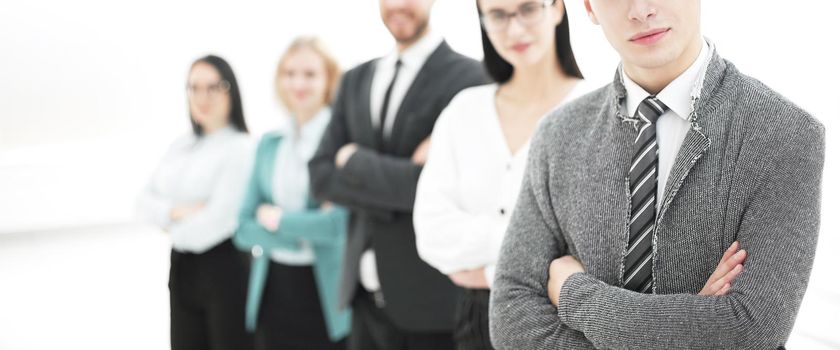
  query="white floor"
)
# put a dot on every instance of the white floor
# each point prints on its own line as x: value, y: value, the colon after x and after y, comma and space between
x: 105, y: 288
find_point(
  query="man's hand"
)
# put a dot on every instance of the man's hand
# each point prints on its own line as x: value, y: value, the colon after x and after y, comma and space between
x: 421, y: 152
x: 178, y: 213
x: 269, y: 217
x: 558, y: 272
x: 344, y: 153
x: 729, y: 267
x: 473, y: 279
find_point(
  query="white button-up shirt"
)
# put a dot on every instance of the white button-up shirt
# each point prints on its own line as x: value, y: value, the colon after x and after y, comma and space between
x: 413, y: 59
x: 469, y: 185
x: 672, y: 126
x: 212, y: 169
x: 290, y: 183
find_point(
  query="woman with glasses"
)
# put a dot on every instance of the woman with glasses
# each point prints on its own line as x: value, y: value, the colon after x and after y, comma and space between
x: 479, y: 147
x: 297, y: 243
x: 194, y: 195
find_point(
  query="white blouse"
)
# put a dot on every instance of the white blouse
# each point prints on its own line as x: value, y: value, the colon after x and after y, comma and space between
x: 469, y: 185
x: 290, y: 185
x: 212, y: 169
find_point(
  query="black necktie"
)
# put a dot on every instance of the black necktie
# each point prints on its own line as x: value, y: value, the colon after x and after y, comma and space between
x: 644, y: 175
x: 383, y: 112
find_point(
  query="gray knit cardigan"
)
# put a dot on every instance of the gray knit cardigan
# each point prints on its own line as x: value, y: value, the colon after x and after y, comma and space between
x: 749, y: 169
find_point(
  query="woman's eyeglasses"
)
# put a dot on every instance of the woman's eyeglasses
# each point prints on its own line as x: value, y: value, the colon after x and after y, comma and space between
x: 211, y: 90
x: 528, y: 14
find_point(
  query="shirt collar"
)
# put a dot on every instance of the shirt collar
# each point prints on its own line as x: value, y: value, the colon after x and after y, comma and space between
x: 677, y: 95
x: 311, y: 130
x: 416, y: 55
x: 220, y: 134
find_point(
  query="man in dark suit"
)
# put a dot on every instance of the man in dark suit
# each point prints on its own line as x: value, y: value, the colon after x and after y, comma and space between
x: 370, y: 160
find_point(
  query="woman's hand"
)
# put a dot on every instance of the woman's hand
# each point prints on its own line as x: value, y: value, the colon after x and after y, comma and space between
x: 269, y: 216
x: 473, y: 279
x: 178, y: 213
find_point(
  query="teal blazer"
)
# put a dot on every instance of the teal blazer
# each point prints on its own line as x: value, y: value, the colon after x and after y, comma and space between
x: 326, y: 230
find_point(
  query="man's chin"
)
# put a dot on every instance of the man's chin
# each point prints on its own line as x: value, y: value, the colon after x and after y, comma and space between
x: 407, y: 38
x: 403, y: 34
x: 406, y: 35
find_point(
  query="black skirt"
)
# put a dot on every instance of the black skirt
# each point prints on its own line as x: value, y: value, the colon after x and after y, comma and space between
x: 290, y: 315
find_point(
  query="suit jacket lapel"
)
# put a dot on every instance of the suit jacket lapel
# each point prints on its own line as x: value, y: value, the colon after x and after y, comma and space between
x: 696, y: 142
x: 422, y: 80
x: 364, y: 112
x: 267, y: 160
x: 694, y: 146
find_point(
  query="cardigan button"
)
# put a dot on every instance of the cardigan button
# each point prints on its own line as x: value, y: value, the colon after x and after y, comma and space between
x: 256, y: 251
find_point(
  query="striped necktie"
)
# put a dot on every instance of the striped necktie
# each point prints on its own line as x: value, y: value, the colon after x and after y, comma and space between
x: 644, y: 174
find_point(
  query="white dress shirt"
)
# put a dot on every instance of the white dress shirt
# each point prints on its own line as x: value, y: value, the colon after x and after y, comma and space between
x: 469, y: 185
x: 290, y: 183
x: 212, y: 169
x: 413, y: 59
x: 672, y: 126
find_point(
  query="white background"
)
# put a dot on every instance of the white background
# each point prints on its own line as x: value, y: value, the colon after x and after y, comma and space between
x: 92, y: 92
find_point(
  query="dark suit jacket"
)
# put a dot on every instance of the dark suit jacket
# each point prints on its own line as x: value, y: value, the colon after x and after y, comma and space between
x: 378, y: 184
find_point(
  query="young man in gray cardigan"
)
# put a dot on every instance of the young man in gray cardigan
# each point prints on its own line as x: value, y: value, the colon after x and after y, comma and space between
x: 635, y: 191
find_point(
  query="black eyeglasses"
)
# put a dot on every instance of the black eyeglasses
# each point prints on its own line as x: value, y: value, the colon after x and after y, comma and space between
x: 211, y: 90
x: 528, y: 14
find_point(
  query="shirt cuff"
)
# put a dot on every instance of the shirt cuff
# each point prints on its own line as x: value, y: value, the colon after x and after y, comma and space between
x: 153, y: 209
x: 489, y: 273
x: 163, y: 214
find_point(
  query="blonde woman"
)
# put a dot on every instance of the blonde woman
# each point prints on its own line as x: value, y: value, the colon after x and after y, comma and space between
x: 296, y: 243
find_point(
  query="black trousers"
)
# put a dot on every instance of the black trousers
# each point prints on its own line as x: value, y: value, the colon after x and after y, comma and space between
x: 207, y: 294
x: 472, y: 329
x: 373, y: 330
x: 291, y: 315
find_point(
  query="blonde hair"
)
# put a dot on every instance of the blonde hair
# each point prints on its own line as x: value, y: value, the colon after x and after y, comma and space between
x: 333, y: 71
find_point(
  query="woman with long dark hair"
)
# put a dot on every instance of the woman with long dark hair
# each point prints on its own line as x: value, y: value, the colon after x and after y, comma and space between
x: 478, y: 150
x: 194, y: 195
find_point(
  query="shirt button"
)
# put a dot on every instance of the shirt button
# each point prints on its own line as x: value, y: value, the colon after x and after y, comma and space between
x: 502, y: 211
x: 256, y: 251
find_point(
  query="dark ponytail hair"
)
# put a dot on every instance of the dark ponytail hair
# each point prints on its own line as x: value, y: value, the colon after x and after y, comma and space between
x: 501, y: 70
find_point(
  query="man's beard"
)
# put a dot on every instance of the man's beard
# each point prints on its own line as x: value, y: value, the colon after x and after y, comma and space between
x: 414, y: 37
